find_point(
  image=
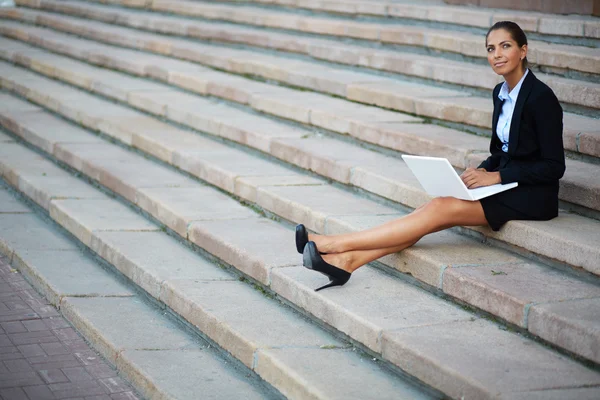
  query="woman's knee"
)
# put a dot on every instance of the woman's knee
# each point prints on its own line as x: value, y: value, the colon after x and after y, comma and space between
x: 442, y: 204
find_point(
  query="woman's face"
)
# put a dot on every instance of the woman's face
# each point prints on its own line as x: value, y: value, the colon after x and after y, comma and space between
x: 503, y: 53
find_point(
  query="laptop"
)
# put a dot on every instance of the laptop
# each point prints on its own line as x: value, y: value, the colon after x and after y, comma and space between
x: 438, y: 178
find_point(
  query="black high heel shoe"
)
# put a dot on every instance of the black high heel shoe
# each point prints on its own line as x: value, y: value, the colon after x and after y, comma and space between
x: 312, y: 260
x: 301, y: 238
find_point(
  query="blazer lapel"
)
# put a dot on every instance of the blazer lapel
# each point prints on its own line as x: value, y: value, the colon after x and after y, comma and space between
x: 516, y: 117
x: 497, y: 108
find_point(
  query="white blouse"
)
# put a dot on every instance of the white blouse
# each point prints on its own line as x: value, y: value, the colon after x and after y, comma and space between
x: 508, y: 108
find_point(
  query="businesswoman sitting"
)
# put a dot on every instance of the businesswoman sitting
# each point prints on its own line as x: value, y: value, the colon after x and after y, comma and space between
x: 526, y: 147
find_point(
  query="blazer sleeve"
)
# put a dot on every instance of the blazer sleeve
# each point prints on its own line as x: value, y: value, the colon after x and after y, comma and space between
x: 549, y: 167
x: 490, y: 163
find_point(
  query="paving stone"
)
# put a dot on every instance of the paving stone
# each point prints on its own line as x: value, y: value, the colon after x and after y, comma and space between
x: 369, y: 311
x: 508, y: 290
x: 235, y: 316
x: 98, y: 320
x: 83, y: 217
x: 181, y: 374
x: 495, y: 361
x: 67, y: 273
x: 571, y: 324
x: 269, y: 246
x: 147, y: 258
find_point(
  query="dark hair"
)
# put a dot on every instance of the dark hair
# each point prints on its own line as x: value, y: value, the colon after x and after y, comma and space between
x: 515, y: 32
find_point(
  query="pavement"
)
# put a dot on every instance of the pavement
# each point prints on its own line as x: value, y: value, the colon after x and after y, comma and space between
x: 42, y: 356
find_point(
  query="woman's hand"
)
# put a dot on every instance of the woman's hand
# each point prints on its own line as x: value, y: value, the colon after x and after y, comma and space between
x: 474, y: 178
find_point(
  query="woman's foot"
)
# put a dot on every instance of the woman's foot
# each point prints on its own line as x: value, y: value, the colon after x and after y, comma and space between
x: 312, y: 259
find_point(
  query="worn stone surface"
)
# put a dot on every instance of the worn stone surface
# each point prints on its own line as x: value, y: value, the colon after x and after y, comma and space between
x: 9, y: 204
x: 548, y: 238
x: 506, y: 290
x: 312, y: 205
x: 115, y: 324
x: 481, y: 361
x: 67, y: 273
x: 235, y: 317
x: 82, y: 217
x: 178, y: 207
x: 41, y: 180
x: 558, y: 394
x: 573, y: 325
x: 268, y: 246
x: 151, y: 258
x: 21, y: 232
x: 333, y: 374
x: 186, y: 375
x: 44, y: 130
x: 378, y: 303
x: 247, y: 187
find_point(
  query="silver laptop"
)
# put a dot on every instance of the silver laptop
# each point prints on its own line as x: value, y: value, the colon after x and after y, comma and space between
x: 438, y: 178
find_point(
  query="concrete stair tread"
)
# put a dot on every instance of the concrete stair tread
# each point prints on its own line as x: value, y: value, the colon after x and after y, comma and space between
x: 581, y: 133
x: 565, y: 56
x: 256, y: 255
x: 239, y: 322
x: 188, y: 298
x: 429, y: 67
x: 373, y: 182
x: 543, y: 23
x: 94, y: 300
x: 450, y: 144
x: 478, y: 334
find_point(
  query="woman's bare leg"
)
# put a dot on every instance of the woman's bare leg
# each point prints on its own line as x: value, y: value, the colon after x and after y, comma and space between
x: 352, y: 260
x: 440, y: 213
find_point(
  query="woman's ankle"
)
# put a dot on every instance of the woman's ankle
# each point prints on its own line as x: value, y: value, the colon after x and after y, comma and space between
x: 339, y: 260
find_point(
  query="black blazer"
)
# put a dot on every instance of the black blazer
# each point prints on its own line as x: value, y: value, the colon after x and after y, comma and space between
x: 535, y: 157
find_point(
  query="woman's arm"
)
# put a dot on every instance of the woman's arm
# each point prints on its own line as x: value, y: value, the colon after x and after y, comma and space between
x: 547, y: 117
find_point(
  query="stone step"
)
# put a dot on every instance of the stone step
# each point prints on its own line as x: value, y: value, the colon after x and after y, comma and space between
x: 403, y: 134
x: 409, y: 315
x: 383, y: 175
x: 541, y: 23
x: 423, y: 66
x: 581, y: 133
x: 458, y: 266
x: 552, y: 55
x: 157, y: 355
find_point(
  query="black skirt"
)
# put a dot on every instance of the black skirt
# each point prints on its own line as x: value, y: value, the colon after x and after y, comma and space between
x: 500, y: 208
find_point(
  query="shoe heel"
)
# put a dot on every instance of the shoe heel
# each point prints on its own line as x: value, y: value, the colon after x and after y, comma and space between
x: 330, y: 284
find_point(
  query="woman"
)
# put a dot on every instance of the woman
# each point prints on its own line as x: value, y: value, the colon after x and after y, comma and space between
x: 526, y: 147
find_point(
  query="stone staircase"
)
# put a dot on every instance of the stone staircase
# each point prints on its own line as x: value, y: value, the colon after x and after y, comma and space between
x: 175, y: 127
